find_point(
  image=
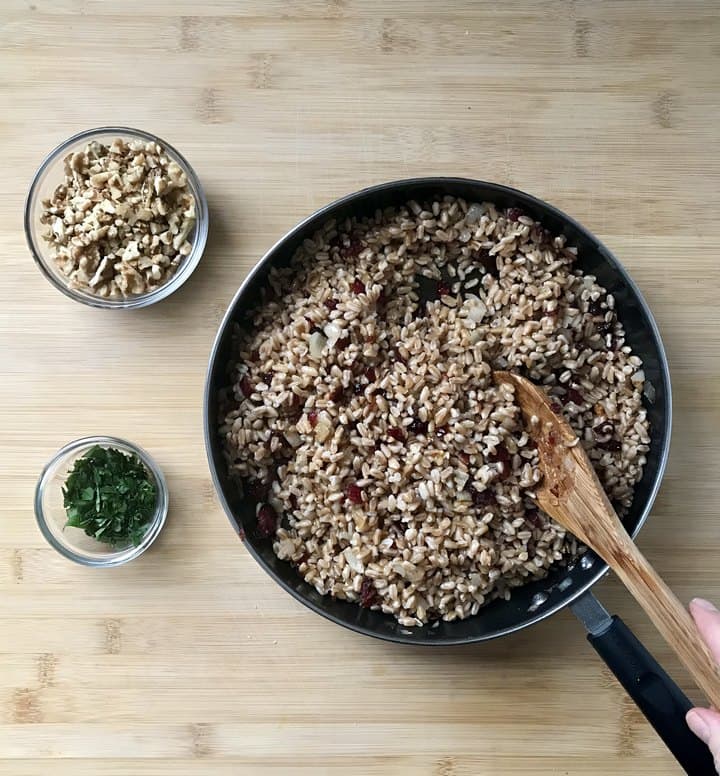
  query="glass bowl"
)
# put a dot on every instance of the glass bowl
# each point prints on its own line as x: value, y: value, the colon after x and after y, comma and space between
x: 74, y: 543
x: 51, y: 174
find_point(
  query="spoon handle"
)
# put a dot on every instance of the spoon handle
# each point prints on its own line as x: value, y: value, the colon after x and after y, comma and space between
x: 667, y: 614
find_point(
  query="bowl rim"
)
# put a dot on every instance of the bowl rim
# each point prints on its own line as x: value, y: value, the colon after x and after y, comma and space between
x: 600, y: 568
x: 114, y: 558
x: 186, y: 268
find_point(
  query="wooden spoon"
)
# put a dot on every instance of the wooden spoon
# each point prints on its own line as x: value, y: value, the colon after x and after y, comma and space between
x: 573, y: 496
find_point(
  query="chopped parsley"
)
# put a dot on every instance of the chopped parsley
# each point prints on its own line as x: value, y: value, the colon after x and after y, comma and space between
x: 110, y: 495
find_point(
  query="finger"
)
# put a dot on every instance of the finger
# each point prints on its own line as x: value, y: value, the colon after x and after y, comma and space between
x: 705, y: 723
x: 707, y: 619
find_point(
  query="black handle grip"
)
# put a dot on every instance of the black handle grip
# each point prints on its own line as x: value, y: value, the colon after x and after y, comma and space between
x: 661, y: 701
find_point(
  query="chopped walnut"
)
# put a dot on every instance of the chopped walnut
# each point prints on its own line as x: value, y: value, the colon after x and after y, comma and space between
x: 122, y: 220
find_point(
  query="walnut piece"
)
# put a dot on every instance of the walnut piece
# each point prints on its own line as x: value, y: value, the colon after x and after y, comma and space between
x: 121, y: 222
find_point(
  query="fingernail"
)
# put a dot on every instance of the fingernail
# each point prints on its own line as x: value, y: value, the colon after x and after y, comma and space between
x: 697, y: 724
x: 701, y: 603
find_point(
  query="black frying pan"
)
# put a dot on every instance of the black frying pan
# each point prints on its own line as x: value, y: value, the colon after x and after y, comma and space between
x: 655, y: 693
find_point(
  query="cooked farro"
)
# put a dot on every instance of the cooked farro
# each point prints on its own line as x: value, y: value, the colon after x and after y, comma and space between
x: 366, y: 417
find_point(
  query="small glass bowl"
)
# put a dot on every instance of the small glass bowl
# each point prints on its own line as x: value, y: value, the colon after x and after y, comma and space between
x: 51, y: 174
x: 74, y: 543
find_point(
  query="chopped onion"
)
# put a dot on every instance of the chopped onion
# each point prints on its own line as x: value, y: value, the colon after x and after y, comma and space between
x: 323, y: 430
x: 649, y: 392
x: 475, y: 308
x: 353, y: 561
x: 407, y: 570
x: 293, y: 437
x: 461, y: 479
x: 474, y: 213
x: 333, y: 333
x: 317, y: 344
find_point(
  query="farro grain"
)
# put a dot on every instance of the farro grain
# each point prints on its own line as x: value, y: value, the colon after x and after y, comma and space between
x: 445, y: 520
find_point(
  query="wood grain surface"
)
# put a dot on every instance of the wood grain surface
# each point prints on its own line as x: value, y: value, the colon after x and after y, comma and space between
x: 190, y: 660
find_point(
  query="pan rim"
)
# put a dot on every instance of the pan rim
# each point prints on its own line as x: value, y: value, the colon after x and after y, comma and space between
x: 601, y: 568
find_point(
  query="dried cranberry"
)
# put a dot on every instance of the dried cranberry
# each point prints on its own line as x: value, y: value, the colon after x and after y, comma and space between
x: 342, y: 343
x: 246, y: 386
x: 418, y: 426
x: 603, y: 429
x: 293, y: 501
x: 502, y: 455
x: 370, y: 374
x: 357, y: 287
x: 465, y: 458
x: 595, y: 307
x: 256, y: 489
x: 514, y: 213
x: 368, y: 593
x: 354, y: 493
x: 337, y: 393
x: 331, y: 304
x: 254, y: 355
x: 443, y: 289
x: 612, y: 445
x: 312, y: 418
x: 546, y: 238
x: 352, y: 250
x: 295, y: 407
x: 266, y: 521
x: 532, y: 516
x: 396, y: 433
x: 573, y: 395
x: 555, y: 407
x: 481, y: 498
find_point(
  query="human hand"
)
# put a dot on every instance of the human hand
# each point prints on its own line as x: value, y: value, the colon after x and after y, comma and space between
x: 705, y: 723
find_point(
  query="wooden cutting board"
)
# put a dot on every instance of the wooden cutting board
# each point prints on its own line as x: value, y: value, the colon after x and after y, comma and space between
x: 190, y: 660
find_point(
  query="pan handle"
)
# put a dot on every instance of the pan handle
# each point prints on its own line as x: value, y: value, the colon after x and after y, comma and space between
x: 658, y: 697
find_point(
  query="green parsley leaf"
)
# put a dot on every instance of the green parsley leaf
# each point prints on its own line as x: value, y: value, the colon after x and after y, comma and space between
x: 110, y: 495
